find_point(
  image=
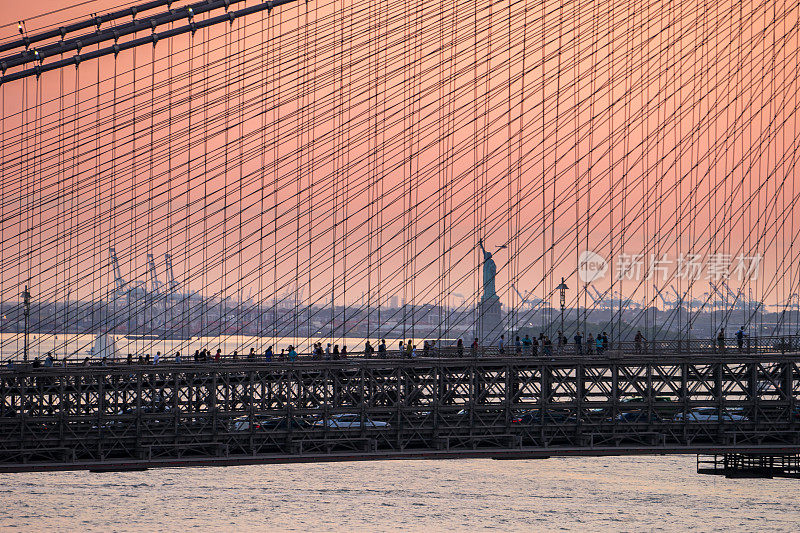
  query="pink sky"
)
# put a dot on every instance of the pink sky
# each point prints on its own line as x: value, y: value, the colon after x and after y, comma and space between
x: 636, y: 128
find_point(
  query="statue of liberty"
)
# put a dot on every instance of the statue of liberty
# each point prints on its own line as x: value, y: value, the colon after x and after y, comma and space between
x: 489, y: 273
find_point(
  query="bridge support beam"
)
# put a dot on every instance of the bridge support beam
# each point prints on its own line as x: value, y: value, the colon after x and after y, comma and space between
x: 122, y: 412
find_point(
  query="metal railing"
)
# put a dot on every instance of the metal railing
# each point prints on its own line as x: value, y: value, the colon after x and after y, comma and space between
x: 771, y: 345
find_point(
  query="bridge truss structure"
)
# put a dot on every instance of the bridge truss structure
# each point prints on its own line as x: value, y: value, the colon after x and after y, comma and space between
x: 123, y: 417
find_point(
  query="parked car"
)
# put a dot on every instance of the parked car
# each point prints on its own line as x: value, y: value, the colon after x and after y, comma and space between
x: 710, y: 414
x: 345, y: 421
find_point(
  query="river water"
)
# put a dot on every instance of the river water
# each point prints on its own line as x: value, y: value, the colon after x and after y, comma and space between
x: 577, y: 494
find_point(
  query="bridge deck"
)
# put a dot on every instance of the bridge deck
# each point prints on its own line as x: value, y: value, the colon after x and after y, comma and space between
x: 135, y: 416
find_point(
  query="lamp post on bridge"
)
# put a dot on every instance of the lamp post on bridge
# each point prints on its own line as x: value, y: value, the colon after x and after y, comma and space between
x: 26, y: 299
x: 562, y: 288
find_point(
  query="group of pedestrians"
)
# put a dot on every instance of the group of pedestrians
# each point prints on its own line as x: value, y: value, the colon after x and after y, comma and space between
x: 528, y: 345
x: 524, y: 346
x: 331, y: 352
x: 543, y: 344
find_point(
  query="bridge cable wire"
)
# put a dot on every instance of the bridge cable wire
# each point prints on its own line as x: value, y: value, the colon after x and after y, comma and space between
x: 351, y: 181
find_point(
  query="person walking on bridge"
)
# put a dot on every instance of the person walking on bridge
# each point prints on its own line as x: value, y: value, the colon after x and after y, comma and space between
x: 526, y: 345
x: 638, y: 341
x: 740, y: 335
x: 721, y: 341
x: 578, y: 343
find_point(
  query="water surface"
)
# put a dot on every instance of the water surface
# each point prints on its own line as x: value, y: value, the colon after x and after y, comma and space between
x: 572, y: 494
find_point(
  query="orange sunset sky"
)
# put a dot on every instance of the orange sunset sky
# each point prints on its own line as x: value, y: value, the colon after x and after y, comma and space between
x: 364, y: 147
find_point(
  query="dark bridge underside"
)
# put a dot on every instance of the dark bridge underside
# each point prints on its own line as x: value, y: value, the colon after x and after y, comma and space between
x: 124, y: 417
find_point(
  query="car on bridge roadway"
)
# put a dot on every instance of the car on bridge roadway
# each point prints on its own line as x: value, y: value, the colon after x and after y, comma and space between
x: 242, y: 423
x: 349, y: 421
x: 665, y: 406
x: 636, y: 416
x: 711, y: 414
x: 534, y: 416
x: 130, y: 416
